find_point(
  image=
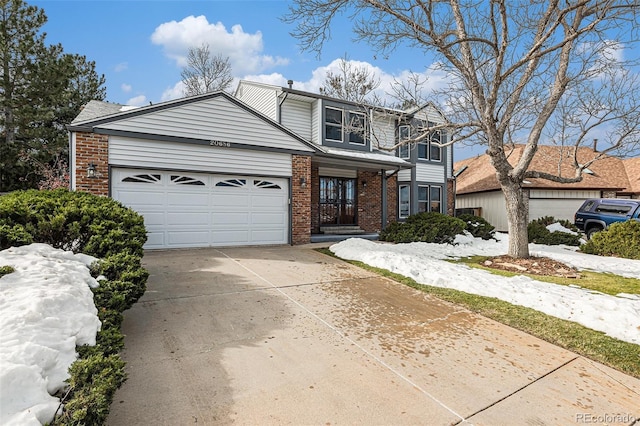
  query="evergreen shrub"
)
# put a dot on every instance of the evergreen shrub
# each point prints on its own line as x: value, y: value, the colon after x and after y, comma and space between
x: 478, y: 227
x: 103, y: 228
x: 428, y: 227
x: 621, y: 239
x: 539, y: 234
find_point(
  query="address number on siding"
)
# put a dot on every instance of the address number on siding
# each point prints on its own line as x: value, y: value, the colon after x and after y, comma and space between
x: 220, y: 144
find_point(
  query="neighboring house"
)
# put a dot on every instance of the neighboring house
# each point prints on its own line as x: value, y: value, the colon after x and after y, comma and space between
x: 350, y: 137
x: 478, y: 190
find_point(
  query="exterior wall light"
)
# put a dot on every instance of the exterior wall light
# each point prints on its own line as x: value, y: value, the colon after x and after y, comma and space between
x: 364, y: 183
x: 91, y: 171
x: 303, y: 182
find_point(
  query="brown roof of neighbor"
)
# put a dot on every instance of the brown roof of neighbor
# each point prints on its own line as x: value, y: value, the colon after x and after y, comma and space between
x: 608, y: 173
x: 632, y: 166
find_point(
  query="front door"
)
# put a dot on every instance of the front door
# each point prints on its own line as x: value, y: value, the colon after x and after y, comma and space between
x: 337, y: 201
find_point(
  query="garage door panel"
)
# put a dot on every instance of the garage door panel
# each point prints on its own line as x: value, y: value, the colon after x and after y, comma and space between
x: 266, y: 219
x: 230, y: 200
x: 194, y: 219
x: 230, y: 218
x: 155, y: 238
x: 267, y: 236
x: 140, y: 198
x: 151, y: 218
x: 188, y: 238
x: 230, y: 237
x: 200, y: 210
x: 188, y: 199
x: 266, y: 201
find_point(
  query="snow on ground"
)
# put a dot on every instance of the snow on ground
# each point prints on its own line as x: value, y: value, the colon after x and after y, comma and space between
x: 46, y: 309
x: 617, y: 316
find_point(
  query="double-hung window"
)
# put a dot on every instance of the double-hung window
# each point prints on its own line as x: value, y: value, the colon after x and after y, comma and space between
x: 429, y: 198
x: 429, y: 148
x: 357, y: 128
x: 333, y: 119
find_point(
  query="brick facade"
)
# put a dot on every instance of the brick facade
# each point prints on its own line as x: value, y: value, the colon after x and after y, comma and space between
x: 301, y: 199
x: 369, y: 193
x: 315, y: 199
x: 392, y: 200
x: 92, y: 148
x: 451, y: 197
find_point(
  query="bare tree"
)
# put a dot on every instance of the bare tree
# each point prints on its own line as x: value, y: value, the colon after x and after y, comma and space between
x: 512, y: 64
x: 352, y: 83
x: 205, y: 73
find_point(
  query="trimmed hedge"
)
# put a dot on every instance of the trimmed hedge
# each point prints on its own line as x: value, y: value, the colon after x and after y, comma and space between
x: 428, y: 227
x: 539, y: 234
x: 103, y: 228
x: 478, y: 226
x: 621, y: 239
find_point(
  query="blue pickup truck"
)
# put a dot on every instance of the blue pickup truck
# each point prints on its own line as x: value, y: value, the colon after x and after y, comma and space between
x: 597, y: 214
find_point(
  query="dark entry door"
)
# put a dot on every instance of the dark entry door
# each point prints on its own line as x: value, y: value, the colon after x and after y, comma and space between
x: 337, y: 201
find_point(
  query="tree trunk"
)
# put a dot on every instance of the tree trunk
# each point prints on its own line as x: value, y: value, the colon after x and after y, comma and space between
x: 517, y: 203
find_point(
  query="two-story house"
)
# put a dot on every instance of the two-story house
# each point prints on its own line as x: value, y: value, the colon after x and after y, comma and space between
x: 270, y: 166
x: 353, y: 139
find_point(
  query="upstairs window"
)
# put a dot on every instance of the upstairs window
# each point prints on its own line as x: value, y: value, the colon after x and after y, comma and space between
x: 404, y: 133
x: 357, y: 128
x: 333, y: 119
x: 428, y: 148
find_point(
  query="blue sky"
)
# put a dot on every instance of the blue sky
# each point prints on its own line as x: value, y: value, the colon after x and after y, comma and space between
x: 140, y: 46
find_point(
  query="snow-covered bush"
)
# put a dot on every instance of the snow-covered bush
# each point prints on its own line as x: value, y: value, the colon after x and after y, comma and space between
x: 478, y: 227
x: 621, y: 239
x: 427, y: 227
x: 103, y: 228
x: 566, y: 234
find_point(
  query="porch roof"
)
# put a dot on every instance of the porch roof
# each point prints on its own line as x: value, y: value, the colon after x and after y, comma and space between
x: 374, y: 160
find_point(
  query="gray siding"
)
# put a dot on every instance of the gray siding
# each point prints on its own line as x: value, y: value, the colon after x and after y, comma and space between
x: 316, y: 130
x: 261, y: 98
x: 212, y: 119
x: 125, y: 152
x: 430, y: 173
x: 296, y: 116
x: 383, y: 131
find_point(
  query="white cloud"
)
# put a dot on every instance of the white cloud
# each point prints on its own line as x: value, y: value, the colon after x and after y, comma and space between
x: 245, y: 51
x: 434, y: 79
x: 126, y: 88
x: 139, y: 100
x: 121, y: 67
x: 175, y: 92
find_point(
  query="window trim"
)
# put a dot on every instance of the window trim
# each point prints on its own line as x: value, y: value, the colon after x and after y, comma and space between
x: 364, y: 128
x: 404, y: 147
x: 327, y: 123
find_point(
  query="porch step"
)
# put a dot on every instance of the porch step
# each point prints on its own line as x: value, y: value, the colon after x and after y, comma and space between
x: 342, y: 230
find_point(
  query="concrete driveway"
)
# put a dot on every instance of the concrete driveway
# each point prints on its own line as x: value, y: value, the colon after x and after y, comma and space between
x: 286, y: 335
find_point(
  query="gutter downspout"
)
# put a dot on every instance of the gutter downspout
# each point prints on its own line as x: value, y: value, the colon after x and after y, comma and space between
x: 286, y: 94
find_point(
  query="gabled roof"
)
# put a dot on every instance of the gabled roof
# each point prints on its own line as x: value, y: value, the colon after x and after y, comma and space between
x: 609, y: 173
x: 632, y: 167
x: 303, y: 95
x: 171, y: 120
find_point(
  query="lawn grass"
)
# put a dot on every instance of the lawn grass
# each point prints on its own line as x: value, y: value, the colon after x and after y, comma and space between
x: 603, y: 282
x: 595, y: 345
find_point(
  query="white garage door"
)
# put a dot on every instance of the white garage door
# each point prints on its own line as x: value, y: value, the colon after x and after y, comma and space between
x: 200, y: 210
